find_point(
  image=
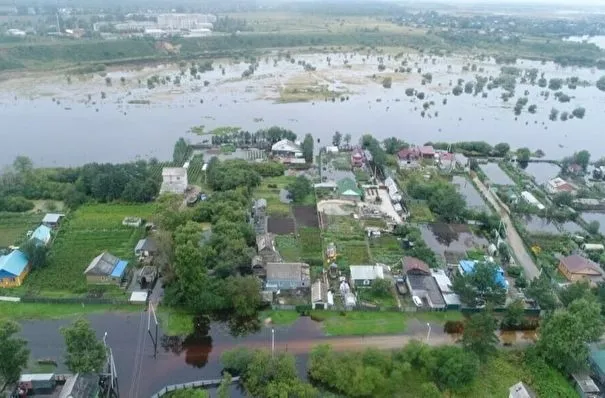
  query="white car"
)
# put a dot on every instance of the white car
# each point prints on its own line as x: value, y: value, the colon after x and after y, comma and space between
x: 417, y: 301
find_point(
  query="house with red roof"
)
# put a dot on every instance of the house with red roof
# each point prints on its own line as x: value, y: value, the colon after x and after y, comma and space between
x: 427, y: 152
x: 409, y: 157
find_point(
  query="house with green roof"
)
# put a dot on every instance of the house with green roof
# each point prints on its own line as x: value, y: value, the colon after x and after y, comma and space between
x: 348, y: 190
x: 596, y: 360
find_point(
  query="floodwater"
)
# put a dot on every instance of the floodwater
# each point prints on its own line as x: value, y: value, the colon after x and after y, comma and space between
x: 599, y: 41
x: 542, y: 172
x: 74, y: 129
x: 594, y: 216
x: 496, y: 175
x: 535, y: 224
x: 179, y: 359
x: 471, y: 195
x: 442, y: 238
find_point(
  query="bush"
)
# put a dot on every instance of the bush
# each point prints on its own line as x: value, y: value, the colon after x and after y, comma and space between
x: 453, y: 327
x: 514, y: 271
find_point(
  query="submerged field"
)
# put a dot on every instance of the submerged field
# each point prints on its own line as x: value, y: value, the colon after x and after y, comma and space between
x: 84, y: 235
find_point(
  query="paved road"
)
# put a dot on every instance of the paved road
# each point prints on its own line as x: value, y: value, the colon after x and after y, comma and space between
x: 514, y: 240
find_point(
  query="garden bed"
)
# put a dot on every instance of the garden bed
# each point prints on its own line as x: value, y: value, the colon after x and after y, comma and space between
x: 306, y: 216
x: 281, y: 225
x: 14, y: 226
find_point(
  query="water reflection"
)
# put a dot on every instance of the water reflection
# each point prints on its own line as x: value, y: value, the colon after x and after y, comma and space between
x: 450, y: 238
x: 542, y: 172
x: 196, y: 346
x: 594, y: 216
x: 470, y: 194
x: 536, y: 224
x: 496, y: 175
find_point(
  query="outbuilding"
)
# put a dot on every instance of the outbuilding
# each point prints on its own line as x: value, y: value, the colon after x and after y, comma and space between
x: 106, y: 269
x: 365, y: 275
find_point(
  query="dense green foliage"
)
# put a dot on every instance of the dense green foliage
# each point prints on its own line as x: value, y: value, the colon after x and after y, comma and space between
x: 13, y: 354
x: 443, y: 198
x: 480, y: 287
x: 85, y: 354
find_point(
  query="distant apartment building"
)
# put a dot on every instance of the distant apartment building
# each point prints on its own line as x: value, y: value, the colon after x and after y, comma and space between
x: 186, y: 21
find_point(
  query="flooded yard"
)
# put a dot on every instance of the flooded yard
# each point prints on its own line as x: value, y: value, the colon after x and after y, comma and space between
x: 454, y: 238
x: 469, y: 192
x: 537, y: 225
x: 594, y: 216
x: 542, y: 172
x: 496, y: 175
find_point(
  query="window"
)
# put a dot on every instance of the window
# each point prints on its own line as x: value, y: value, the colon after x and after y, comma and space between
x: 366, y: 282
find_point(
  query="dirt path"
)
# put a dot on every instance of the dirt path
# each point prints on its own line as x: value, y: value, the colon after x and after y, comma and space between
x: 513, y: 238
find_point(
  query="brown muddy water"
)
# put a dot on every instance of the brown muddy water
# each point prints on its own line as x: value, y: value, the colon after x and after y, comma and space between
x: 74, y: 129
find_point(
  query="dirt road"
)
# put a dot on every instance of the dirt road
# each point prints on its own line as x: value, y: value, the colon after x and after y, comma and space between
x: 514, y: 240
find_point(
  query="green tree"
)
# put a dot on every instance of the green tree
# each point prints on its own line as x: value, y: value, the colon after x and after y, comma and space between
x: 579, y: 112
x: 541, y: 290
x: 514, y: 315
x: 347, y: 138
x: 479, y: 334
x: 23, y: 164
x: 14, y: 354
x: 336, y: 138
x: 224, y: 387
x: 563, y: 199
x: 387, y: 82
x: 454, y: 368
x: 582, y: 158
x: 181, y: 152
x: 381, y: 288
x: 523, y: 154
x: 35, y: 253
x: 392, y: 145
x: 504, y: 253
x: 190, y: 393
x: 502, y: 149
x: 299, y: 188
x: 244, y: 293
x: 565, y: 333
x: 448, y: 203
x: 593, y: 227
x: 307, y: 148
x: 576, y: 291
x: 85, y: 353
x: 601, y: 83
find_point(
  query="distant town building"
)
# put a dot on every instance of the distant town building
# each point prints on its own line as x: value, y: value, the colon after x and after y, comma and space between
x: 186, y: 21
x: 286, y: 148
x: 559, y: 185
x: 16, y: 33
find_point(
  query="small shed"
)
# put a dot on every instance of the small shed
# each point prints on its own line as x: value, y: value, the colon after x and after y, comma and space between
x: 174, y: 180
x: 41, y: 235
x: 52, y: 220
x: 145, y: 248
x: 37, y: 383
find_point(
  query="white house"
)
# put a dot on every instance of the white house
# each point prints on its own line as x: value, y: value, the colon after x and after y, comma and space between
x: 286, y: 148
x: 531, y: 199
x: 174, y: 180
x: 364, y: 275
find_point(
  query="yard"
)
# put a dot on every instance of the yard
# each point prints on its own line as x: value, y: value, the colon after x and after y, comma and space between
x: 350, y: 240
x: 269, y: 190
x: 360, y: 323
x: 420, y: 212
x: 288, y: 247
x: 24, y: 311
x: 386, y: 249
x: 89, y: 231
x: 14, y: 226
x: 366, y: 295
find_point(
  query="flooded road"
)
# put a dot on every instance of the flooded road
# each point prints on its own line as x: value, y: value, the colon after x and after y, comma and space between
x: 86, y: 120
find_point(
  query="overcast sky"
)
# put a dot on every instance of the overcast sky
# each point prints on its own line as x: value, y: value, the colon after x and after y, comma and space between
x: 570, y: 3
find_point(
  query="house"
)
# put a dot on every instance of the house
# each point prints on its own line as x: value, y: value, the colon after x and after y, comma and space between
x: 14, y: 267
x: 427, y: 152
x: 259, y: 220
x: 420, y: 283
x: 106, y: 269
x: 585, y: 385
x: 452, y: 300
x: 531, y: 199
x: 174, y: 180
x: 265, y: 245
x: 364, y: 275
x: 52, y: 220
x: 287, y: 276
x: 347, y: 190
x: 145, y: 248
x: 286, y: 148
x: 577, y: 268
x: 41, y: 235
x: 559, y: 185
x: 468, y: 267
x: 409, y: 158
x: 462, y: 161
x: 357, y: 158
x: 393, y: 190
x: 520, y: 390
x: 447, y: 161
x: 321, y: 296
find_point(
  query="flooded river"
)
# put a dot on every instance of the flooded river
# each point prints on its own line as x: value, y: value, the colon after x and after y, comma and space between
x: 57, y: 122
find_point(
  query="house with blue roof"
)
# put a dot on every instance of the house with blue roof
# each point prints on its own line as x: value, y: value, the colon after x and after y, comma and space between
x: 468, y: 267
x: 106, y: 269
x: 14, y: 267
x: 41, y: 235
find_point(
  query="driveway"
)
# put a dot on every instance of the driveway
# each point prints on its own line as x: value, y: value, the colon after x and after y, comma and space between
x: 514, y: 240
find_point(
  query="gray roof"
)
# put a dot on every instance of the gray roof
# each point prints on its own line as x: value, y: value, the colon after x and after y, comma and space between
x: 52, y: 217
x: 81, y: 386
x: 366, y: 272
x: 102, y: 265
x: 520, y: 390
x: 174, y: 172
x: 264, y: 241
x: 285, y: 146
x: 147, y: 245
x: 260, y: 203
x: 288, y: 271
x: 426, y: 286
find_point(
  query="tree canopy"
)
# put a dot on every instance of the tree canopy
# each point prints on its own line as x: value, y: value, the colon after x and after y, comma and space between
x: 14, y: 354
x: 480, y: 287
x: 479, y: 334
x: 85, y: 353
x: 307, y: 148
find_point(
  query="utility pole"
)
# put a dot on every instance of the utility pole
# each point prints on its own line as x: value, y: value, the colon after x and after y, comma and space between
x: 154, y: 339
x: 428, y: 333
x: 272, y: 342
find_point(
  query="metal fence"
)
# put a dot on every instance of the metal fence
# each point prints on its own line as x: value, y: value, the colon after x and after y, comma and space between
x: 191, y: 385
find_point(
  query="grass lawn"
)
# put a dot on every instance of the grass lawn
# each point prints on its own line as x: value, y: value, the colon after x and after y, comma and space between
x: 280, y: 317
x: 21, y: 311
x: 420, y: 213
x: 366, y: 295
x: 386, y: 249
x: 89, y: 231
x: 360, y: 323
x: 510, y: 367
x: 14, y: 226
x: 288, y: 247
x: 309, y: 239
x: 271, y: 194
x: 175, y: 322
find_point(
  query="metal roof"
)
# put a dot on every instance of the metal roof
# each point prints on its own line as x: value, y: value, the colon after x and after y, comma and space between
x: 102, y: 265
x: 14, y: 263
x: 426, y: 286
x: 285, y: 146
x: 52, y: 218
x: 288, y: 271
x: 119, y: 269
x: 42, y: 234
x: 366, y: 272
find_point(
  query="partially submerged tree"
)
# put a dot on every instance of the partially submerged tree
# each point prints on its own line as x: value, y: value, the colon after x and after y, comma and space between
x: 85, y: 353
x: 479, y: 334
